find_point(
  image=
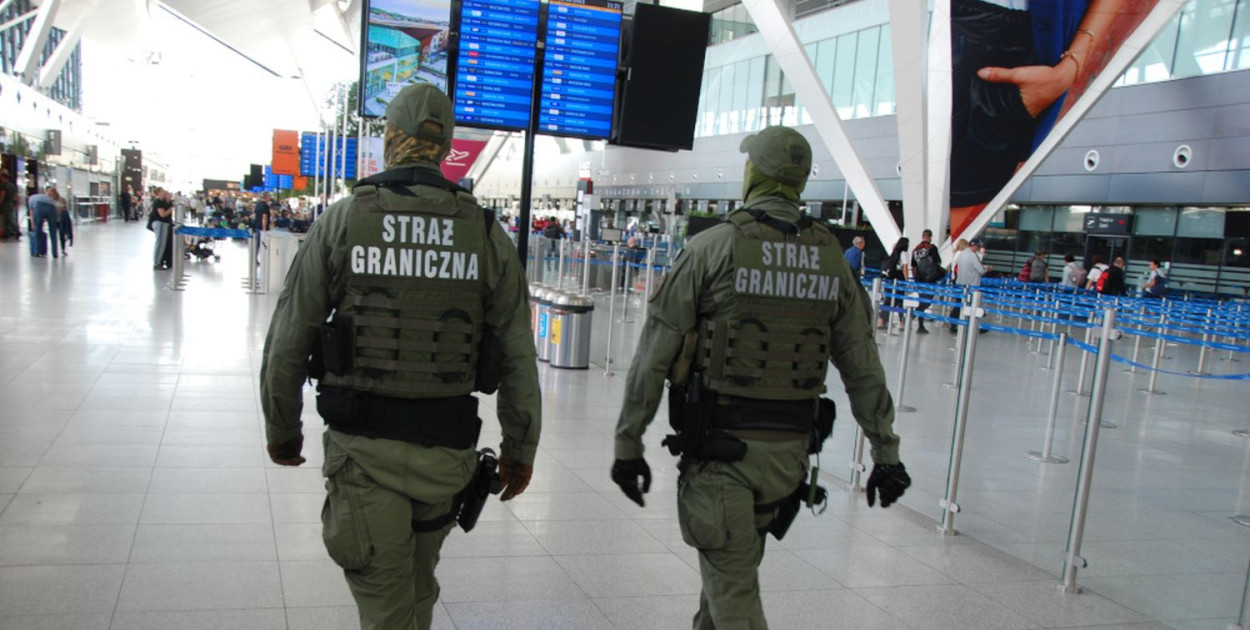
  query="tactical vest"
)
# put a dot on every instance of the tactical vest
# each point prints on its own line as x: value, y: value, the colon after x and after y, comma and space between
x: 414, y: 295
x: 771, y: 338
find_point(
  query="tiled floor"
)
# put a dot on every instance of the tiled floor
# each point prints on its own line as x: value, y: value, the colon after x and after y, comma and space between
x: 135, y: 494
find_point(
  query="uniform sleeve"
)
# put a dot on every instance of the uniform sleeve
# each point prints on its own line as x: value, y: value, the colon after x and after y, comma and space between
x: 672, y: 312
x: 519, y: 402
x: 854, y: 353
x: 303, y: 306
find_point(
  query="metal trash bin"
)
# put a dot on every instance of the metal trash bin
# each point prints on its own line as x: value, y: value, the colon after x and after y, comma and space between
x: 534, y: 289
x: 568, y: 331
x: 540, y: 330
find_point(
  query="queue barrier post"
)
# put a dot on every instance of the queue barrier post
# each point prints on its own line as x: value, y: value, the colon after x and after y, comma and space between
x: 857, y: 462
x: 607, y: 360
x: 950, y: 506
x: 1046, y: 456
x: 902, y: 366
x: 1072, y: 559
x: 1154, y: 368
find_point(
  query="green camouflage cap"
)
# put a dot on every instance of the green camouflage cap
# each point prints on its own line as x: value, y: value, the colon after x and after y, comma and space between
x: 780, y: 153
x: 418, y: 104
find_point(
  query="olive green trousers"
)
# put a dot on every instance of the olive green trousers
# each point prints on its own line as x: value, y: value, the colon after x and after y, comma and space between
x: 376, y: 489
x: 716, y: 506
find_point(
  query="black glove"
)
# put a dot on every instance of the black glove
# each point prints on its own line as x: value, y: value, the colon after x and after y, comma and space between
x: 625, y: 473
x: 890, y: 480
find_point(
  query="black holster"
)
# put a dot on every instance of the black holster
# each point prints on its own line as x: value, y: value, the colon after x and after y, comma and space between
x: 788, y: 508
x: 485, y: 482
x: 826, y: 414
x: 336, y: 341
x: 430, y: 422
x: 466, y: 506
x: 489, y: 363
x: 692, y: 412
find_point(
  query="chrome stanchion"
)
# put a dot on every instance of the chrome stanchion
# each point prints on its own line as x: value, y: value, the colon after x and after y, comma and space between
x: 560, y: 266
x: 650, y: 277
x: 178, y: 254
x: 1072, y: 560
x: 1243, y: 619
x: 253, y: 286
x: 586, y: 267
x: 626, y: 269
x: 857, y: 462
x: 1154, y: 369
x: 607, y: 360
x: 961, y: 340
x: 948, y: 504
x: 877, y: 290
x: 1136, y: 347
x: 1202, y: 351
x: 1046, y: 456
x: 1080, y: 381
x: 902, y: 365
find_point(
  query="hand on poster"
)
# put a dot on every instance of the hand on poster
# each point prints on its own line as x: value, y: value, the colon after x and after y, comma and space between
x: 1039, y: 85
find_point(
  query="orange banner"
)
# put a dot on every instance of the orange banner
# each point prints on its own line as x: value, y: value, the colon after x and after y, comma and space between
x: 285, y: 152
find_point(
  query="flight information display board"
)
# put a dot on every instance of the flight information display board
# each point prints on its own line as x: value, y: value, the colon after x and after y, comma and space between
x: 495, y: 64
x: 579, y: 73
x: 312, y: 160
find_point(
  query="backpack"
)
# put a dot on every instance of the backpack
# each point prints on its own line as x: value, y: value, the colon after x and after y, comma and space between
x: 1101, y: 284
x: 1079, y: 275
x: 892, y: 268
x: 926, y: 261
x: 1026, y: 274
x: 1037, y: 272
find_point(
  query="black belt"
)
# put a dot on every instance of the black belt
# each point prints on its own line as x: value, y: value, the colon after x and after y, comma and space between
x: 430, y: 422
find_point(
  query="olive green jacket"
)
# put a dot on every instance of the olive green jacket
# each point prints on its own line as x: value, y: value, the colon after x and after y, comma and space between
x: 702, y: 277
x: 316, y: 283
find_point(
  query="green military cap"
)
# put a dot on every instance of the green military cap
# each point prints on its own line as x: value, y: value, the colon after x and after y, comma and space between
x: 780, y: 153
x: 418, y: 104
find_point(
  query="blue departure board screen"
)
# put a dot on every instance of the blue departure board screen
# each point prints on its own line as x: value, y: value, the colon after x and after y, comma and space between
x: 495, y: 65
x: 274, y: 181
x: 579, y: 73
x: 312, y: 161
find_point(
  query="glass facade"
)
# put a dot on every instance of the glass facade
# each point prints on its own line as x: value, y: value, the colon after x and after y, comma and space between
x: 855, y: 68
x: 1205, y: 247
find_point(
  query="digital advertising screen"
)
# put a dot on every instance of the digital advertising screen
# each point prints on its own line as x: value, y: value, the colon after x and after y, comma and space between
x: 579, y: 73
x: 495, y: 63
x: 404, y: 42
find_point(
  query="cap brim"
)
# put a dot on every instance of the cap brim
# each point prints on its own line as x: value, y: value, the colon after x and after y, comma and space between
x: 745, y: 147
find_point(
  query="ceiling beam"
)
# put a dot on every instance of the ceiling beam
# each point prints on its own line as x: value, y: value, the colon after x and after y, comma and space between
x: 28, y: 60
x: 52, y: 67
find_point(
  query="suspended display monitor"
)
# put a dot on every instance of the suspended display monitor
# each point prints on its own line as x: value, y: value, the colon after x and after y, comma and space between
x: 664, y: 54
x: 404, y: 42
x: 579, y: 68
x: 495, y: 63
x: 1017, y: 70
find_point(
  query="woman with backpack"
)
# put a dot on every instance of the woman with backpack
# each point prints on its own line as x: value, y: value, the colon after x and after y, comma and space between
x: 1073, y: 274
x: 896, y: 267
x: 1035, y: 269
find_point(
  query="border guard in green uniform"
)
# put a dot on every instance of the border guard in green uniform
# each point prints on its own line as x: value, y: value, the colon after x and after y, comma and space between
x: 743, y: 327
x: 404, y: 300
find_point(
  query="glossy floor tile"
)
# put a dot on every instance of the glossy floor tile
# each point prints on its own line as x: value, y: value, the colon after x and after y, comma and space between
x: 135, y: 493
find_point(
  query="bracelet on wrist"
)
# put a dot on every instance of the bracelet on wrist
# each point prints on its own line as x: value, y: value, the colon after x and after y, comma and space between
x: 1068, y: 54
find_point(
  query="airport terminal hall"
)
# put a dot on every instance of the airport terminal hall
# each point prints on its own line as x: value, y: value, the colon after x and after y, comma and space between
x: 625, y: 315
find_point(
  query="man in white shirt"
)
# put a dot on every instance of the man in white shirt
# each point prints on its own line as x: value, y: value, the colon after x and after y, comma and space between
x: 968, y: 271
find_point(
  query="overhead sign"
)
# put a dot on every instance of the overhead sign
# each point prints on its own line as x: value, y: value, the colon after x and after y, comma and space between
x: 461, y: 158
x: 495, y: 65
x: 286, y: 158
x: 405, y: 42
x: 1098, y: 223
x: 579, y: 68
